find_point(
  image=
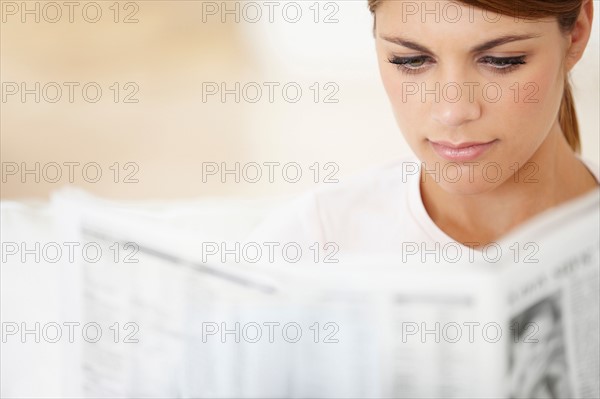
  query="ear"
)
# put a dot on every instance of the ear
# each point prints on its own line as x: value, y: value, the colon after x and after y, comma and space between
x: 581, y: 34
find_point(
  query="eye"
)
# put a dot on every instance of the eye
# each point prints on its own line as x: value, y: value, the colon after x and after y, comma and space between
x: 504, y: 64
x: 410, y: 65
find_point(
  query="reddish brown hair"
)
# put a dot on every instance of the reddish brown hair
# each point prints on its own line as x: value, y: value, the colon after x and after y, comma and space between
x: 566, y: 13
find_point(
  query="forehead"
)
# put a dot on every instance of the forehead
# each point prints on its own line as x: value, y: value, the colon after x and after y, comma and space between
x: 445, y: 19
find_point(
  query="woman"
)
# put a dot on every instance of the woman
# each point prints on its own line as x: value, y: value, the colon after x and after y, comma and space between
x: 480, y: 91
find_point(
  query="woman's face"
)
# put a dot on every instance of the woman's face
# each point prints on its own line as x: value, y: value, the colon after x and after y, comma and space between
x: 475, y: 93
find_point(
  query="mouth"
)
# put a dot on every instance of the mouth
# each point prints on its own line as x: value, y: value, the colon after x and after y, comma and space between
x: 461, y: 152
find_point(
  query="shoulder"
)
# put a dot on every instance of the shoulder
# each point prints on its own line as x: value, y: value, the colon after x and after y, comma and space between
x: 375, y: 195
x: 376, y: 186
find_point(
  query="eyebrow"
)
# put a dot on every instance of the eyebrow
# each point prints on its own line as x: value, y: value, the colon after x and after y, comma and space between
x: 477, y: 49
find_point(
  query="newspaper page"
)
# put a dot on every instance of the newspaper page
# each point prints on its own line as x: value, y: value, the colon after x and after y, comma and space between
x: 553, y: 305
x: 368, y: 326
x: 365, y: 327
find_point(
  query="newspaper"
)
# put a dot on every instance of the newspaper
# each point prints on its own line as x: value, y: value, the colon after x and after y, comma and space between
x: 173, y: 325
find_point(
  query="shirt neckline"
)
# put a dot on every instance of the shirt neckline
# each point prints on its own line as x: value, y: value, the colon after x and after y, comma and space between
x: 420, y: 215
x: 422, y: 218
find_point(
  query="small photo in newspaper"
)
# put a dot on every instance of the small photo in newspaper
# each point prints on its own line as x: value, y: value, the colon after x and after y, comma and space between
x: 538, y: 364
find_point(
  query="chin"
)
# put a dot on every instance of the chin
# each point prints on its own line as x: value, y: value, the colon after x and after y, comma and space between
x: 467, y: 187
x: 463, y: 178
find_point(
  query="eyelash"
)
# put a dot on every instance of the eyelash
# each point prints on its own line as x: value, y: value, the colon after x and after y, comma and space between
x: 503, y: 65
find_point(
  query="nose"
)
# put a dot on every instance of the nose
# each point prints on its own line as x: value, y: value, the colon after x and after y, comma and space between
x: 456, y: 104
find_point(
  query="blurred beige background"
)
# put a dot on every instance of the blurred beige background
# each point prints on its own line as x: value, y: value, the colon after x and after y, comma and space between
x: 173, y: 48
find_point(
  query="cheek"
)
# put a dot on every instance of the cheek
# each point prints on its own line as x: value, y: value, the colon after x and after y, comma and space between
x: 548, y: 97
x: 528, y: 109
x: 406, y: 105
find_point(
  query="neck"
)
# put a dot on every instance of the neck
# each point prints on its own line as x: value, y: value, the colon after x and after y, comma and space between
x: 552, y: 176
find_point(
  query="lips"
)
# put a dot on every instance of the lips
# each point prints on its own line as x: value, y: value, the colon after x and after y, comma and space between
x: 461, y: 152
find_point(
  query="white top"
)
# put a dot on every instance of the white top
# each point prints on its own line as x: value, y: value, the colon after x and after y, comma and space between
x: 376, y: 211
